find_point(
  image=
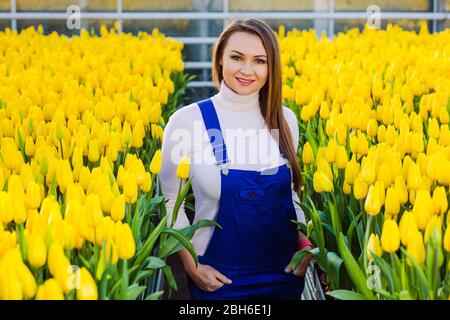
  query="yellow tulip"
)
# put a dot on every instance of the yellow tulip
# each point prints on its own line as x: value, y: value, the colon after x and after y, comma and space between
x: 118, y: 208
x: 392, y: 202
x: 307, y: 154
x: 37, y: 251
x: 155, y: 165
x: 87, y: 289
x: 372, y: 128
x: 49, y: 290
x: 33, y: 196
x: 322, y: 183
x: 360, y: 189
x: 10, y: 287
x: 372, y: 205
x: 130, y: 187
x: 27, y: 281
x: 440, y: 200
x: 147, y: 184
x: 414, y: 177
x: 341, y: 157
x: 400, y: 189
x: 124, y: 241
x: 368, y: 170
x: 408, y: 225
x: 94, y: 152
x: 183, y: 168
x: 434, y: 230
x: 447, y: 239
x: 373, y: 246
x: 390, y: 236
x: 416, y: 248
x: 423, y: 208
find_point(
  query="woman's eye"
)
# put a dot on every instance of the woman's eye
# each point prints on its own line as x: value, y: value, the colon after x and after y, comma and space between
x: 260, y: 61
x: 235, y: 57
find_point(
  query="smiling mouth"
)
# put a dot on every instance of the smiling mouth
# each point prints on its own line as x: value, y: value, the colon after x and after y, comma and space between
x: 243, y: 81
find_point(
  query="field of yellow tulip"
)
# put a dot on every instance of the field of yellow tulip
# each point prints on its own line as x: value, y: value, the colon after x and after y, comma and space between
x: 80, y: 130
x: 373, y: 109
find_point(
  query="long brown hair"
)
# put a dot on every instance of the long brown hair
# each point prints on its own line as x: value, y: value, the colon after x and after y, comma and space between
x: 270, y: 100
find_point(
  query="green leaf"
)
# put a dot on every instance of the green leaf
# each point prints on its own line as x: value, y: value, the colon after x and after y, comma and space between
x: 388, y: 273
x: 334, y: 263
x: 318, y: 228
x: 150, y: 242
x: 423, y: 281
x: 136, y: 220
x: 170, y: 277
x: 183, y: 240
x: 172, y: 245
x: 311, y: 138
x: 346, y: 295
x: 298, y: 257
x: 124, y: 280
x: 135, y: 291
x: 355, y: 273
x: 144, y: 274
x: 179, y: 201
x: 154, y: 263
x: 154, y: 295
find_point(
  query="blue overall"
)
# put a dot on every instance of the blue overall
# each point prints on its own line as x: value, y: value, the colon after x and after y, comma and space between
x: 257, y: 239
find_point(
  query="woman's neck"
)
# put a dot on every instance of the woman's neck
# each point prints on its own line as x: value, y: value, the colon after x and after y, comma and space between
x: 231, y: 100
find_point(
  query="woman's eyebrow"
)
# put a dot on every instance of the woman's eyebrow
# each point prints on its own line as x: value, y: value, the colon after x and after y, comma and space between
x: 260, y: 55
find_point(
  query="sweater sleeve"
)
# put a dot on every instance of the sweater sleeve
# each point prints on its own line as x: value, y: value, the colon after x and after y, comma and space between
x: 293, y: 126
x: 174, y: 145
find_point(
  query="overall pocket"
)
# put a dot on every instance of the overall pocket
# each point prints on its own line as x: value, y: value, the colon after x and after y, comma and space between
x: 253, y: 206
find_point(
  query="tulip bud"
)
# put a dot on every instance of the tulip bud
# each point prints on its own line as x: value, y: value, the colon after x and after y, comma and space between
x: 94, y: 152
x: 155, y: 165
x: 87, y: 289
x: 341, y: 157
x: 360, y: 188
x: 392, y: 204
x: 183, y: 168
x: 118, y: 208
x: 37, y: 251
x: 124, y: 241
x: 321, y: 182
x: 440, y: 200
x: 307, y: 154
x: 33, y: 196
x: 447, y: 239
x: 372, y: 128
x: 372, y: 204
x: 390, y: 236
x: 416, y: 248
x: 373, y: 246
x: 49, y: 290
x: 423, y: 208
x: 408, y: 225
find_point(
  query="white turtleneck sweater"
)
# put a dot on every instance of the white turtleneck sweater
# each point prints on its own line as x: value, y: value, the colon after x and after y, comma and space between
x: 242, y: 127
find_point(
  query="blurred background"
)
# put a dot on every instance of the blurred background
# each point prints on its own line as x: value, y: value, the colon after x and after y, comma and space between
x: 198, y: 22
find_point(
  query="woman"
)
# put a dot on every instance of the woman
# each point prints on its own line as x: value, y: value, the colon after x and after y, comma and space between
x: 244, y: 178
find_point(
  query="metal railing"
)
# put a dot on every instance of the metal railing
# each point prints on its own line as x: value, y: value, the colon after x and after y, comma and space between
x: 324, y: 17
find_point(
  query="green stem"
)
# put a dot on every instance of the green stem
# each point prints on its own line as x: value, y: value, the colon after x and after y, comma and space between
x: 366, y: 239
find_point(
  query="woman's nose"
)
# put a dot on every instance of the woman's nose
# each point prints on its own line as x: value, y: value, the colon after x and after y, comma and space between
x: 246, y: 69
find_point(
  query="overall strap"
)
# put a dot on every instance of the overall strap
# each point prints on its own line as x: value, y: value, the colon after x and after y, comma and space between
x: 214, y: 131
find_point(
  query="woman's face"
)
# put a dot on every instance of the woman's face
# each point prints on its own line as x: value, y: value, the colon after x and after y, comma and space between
x: 244, y: 63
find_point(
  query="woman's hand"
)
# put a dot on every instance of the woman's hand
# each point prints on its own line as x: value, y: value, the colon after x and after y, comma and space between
x: 303, y: 266
x: 207, y: 278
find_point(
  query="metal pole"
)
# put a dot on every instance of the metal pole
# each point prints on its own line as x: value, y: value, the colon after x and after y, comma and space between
x: 13, y: 12
x: 225, y: 9
x: 320, y: 25
x: 331, y: 20
x: 119, y: 12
